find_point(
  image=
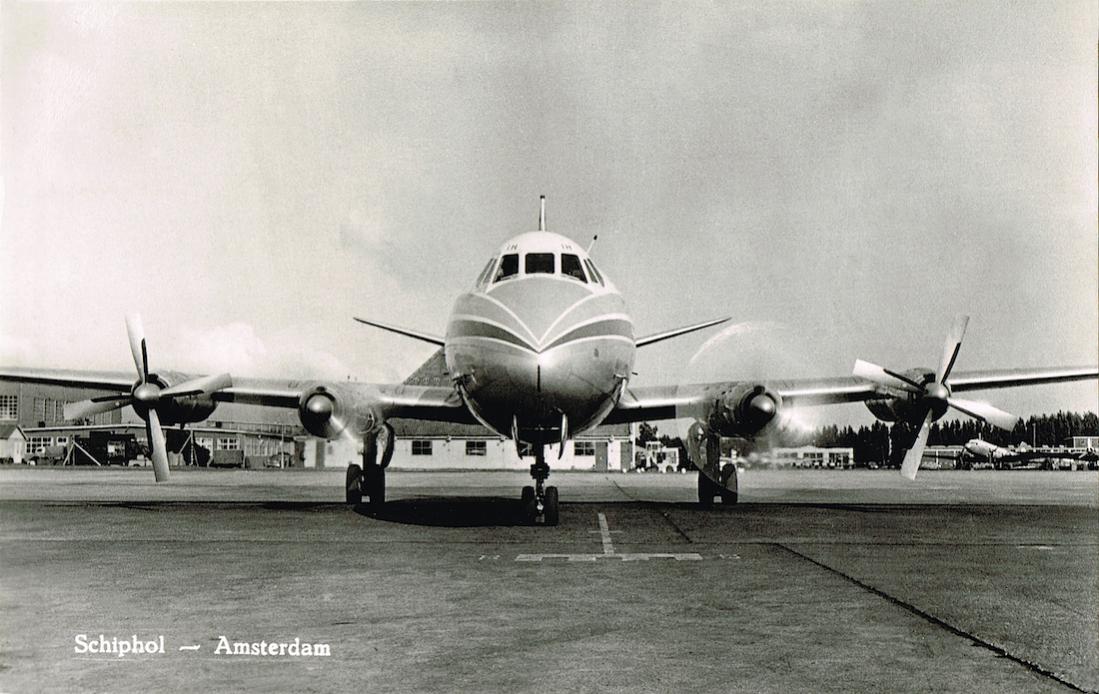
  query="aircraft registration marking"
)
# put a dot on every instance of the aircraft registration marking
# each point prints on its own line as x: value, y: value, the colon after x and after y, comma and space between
x: 609, y: 551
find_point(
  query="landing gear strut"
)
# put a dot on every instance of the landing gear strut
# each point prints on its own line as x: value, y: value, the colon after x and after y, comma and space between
x: 714, y: 479
x: 540, y: 501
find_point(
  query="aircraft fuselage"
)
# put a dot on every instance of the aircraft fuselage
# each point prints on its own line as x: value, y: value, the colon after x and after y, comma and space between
x: 542, y: 355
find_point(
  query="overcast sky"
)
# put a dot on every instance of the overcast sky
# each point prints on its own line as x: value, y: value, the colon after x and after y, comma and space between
x: 248, y: 177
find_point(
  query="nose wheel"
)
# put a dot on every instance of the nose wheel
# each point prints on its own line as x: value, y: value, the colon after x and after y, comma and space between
x: 539, y: 503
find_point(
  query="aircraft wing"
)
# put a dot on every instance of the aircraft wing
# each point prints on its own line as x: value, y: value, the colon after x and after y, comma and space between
x: 436, y: 403
x: 984, y: 380
x: 650, y: 403
x: 98, y: 380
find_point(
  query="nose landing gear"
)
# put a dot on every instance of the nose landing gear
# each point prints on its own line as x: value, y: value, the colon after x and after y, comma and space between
x: 540, y: 501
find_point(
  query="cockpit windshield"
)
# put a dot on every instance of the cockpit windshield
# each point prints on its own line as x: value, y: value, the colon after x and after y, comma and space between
x: 570, y: 267
x: 509, y: 267
x: 540, y: 264
x: 483, y: 278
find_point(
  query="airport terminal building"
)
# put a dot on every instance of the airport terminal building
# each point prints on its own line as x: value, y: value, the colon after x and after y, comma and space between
x: 32, y: 428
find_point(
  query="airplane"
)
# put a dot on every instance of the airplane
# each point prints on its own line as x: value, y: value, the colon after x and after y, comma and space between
x: 1000, y: 456
x: 540, y: 349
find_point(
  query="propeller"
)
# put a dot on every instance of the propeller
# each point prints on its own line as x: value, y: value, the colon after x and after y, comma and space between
x: 931, y: 397
x: 741, y: 360
x: 147, y: 396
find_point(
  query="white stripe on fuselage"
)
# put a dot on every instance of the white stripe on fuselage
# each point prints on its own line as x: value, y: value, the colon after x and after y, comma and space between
x: 507, y: 310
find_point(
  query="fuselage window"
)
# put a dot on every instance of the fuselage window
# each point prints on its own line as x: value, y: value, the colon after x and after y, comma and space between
x: 486, y: 273
x: 570, y: 267
x: 540, y: 263
x: 592, y: 271
x: 509, y: 267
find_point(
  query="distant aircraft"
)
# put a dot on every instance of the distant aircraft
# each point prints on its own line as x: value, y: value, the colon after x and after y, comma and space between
x: 999, y: 456
x: 540, y: 349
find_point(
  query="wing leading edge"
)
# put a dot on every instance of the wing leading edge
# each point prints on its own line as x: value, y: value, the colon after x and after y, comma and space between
x: 652, y: 403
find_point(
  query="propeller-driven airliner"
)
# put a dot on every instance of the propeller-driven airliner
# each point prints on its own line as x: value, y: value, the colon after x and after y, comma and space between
x: 541, y: 348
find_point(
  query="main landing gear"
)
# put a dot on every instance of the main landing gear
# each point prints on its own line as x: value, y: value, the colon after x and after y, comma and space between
x: 725, y: 489
x: 539, y: 502
x: 366, y: 484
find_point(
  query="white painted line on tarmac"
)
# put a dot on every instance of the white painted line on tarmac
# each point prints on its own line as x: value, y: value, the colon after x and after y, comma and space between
x: 609, y: 551
x: 605, y: 533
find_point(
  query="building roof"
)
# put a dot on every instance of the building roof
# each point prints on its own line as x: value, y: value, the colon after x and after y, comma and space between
x: 6, y: 431
x: 431, y: 373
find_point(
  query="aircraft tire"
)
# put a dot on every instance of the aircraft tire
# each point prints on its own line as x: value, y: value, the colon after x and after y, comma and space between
x: 353, y: 485
x: 730, y: 484
x: 373, y: 485
x: 705, y: 490
x: 550, y: 514
x: 527, y: 495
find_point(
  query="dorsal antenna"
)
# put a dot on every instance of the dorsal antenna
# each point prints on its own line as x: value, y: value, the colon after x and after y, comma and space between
x: 592, y: 243
x: 542, y: 213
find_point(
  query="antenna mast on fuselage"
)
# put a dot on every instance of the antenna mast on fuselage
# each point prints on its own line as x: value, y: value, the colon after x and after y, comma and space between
x: 542, y: 213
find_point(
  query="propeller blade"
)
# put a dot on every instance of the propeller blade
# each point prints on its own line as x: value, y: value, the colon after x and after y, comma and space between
x: 88, y: 408
x: 950, y: 348
x: 204, y: 385
x: 158, y: 447
x: 136, y: 333
x: 982, y: 410
x: 885, y: 377
x: 915, y: 452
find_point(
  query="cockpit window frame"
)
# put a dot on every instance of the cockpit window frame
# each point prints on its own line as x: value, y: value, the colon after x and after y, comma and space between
x: 594, y: 272
x: 504, y: 259
x: 487, y: 273
x: 579, y: 266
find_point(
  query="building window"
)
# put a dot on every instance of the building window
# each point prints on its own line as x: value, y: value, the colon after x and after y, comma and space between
x: 228, y: 443
x: 476, y: 448
x: 38, y: 444
x: 9, y: 407
x: 585, y: 448
x: 421, y: 447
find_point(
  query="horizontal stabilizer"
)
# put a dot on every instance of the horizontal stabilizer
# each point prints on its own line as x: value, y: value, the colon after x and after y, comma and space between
x: 676, y: 332
x: 414, y: 334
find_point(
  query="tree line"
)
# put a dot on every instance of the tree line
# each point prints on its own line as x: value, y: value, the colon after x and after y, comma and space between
x: 883, y: 442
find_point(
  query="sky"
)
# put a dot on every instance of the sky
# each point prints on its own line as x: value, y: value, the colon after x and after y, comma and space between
x: 248, y: 177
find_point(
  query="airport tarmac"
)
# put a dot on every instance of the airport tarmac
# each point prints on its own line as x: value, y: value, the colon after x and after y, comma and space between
x: 820, y: 581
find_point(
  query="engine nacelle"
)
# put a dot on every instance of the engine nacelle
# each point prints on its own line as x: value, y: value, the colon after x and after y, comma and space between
x: 330, y: 411
x: 907, y: 407
x: 745, y: 410
x: 180, y: 410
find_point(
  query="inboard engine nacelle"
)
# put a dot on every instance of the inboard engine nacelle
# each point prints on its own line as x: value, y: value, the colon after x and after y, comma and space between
x: 745, y: 410
x: 330, y: 411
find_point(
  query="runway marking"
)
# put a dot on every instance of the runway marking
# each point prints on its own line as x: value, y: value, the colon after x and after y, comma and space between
x: 609, y: 551
x: 999, y: 650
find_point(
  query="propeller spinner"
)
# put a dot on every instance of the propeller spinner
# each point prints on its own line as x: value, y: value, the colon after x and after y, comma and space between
x: 148, y: 395
x: 933, y: 398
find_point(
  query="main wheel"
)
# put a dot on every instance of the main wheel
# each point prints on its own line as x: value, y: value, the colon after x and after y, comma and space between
x: 354, y: 485
x: 527, y: 495
x: 550, y: 513
x: 706, y: 490
x: 730, y: 484
x: 373, y: 485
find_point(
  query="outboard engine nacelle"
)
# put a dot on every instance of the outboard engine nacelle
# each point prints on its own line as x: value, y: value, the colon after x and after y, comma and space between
x: 745, y: 410
x: 329, y: 411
